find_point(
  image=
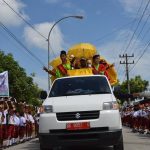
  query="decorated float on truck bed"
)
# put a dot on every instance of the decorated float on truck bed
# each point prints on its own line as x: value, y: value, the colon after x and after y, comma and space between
x: 86, y: 51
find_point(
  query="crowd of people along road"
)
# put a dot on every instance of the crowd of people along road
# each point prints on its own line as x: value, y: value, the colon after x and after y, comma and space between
x: 137, y: 117
x: 18, y: 122
x: 98, y: 66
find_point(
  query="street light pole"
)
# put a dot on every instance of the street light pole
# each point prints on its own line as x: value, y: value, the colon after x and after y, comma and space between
x: 77, y: 17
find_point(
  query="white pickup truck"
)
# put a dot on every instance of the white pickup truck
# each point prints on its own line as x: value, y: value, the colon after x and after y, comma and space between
x: 80, y: 111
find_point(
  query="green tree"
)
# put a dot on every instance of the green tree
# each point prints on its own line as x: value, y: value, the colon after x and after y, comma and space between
x: 21, y: 86
x: 137, y: 84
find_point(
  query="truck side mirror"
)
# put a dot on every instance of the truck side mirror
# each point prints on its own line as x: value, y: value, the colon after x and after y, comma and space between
x: 43, y: 95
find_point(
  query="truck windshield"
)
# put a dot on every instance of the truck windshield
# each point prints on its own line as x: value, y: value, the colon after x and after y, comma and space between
x: 80, y: 86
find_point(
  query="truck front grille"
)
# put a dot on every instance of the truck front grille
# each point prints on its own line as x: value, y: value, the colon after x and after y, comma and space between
x: 81, y: 115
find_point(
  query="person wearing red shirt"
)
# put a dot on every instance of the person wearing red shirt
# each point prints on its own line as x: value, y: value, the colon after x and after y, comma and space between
x: 99, y: 68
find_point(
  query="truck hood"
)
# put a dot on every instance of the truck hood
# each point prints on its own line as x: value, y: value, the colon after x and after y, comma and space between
x: 78, y: 103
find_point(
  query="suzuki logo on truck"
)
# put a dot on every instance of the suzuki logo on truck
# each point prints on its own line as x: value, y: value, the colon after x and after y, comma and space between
x: 77, y: 115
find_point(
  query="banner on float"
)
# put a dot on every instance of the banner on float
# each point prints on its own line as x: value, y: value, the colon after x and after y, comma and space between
x: 4, y: 86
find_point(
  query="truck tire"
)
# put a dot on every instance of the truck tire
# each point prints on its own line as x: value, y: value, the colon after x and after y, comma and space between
x: 119, y: 146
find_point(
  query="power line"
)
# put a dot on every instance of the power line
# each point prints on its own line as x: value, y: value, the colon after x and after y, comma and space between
x: 137, y: 26
x: 20, y: 43
x: 146, y: 48
x: 141, y: 31
x: 134, y: 20
x: 124, y: 76
x: 29, y: 24
x: 135, y: 29
x: 115, y: 30
x: 133, y: 44
x: 144, y: 35
x: 24, y: 20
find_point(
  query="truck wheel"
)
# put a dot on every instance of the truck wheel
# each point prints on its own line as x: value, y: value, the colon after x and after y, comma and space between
x: 119, y: 146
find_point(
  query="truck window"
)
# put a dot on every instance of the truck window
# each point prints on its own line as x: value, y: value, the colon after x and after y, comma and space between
x: 80, y: 86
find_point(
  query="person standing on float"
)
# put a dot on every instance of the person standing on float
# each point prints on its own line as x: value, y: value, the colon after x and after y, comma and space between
x: 61, y: 70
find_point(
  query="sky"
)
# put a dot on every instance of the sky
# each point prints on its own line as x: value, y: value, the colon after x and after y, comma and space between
x: 115, y: 27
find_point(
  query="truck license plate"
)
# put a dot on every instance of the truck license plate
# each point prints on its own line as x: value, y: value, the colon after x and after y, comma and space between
x: 78, y: 126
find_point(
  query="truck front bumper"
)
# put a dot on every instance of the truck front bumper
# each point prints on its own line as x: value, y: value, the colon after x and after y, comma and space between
x: 80, y: 138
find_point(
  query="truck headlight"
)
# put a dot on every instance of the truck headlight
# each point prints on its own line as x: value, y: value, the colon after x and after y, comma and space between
x: 110, y: 105
x: 47, y: 109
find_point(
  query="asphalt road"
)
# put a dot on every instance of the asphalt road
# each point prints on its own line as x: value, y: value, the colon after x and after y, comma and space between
x: 132, y: 141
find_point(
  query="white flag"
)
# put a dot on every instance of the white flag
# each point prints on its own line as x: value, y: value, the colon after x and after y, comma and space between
x: 4, y: 87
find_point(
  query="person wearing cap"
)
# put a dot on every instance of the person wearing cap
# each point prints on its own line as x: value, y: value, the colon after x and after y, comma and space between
x: 61, y: 69
x: 97, y: 67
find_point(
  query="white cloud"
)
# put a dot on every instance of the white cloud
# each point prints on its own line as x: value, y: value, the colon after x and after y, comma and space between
x: 34, y: 39
x: 113, y: 49
x: 7, y: 16
x: 42, y: 82
x: 132, y: 6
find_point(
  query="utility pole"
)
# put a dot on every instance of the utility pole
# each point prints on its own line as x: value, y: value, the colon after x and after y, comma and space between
x: 127, y: 69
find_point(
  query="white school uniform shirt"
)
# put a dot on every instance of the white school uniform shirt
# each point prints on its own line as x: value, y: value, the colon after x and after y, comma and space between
x: 17, y: 120
x: 31, y: 118
x: 136, y: 114
x: 142, y: 113
x: 12, y: 120
x: 139, y: 113
x: 26, y: 117
x: 22, y: 121
x: 5, y: 114
x: 145, y: 115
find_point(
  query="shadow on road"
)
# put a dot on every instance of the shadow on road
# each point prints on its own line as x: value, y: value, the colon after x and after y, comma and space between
x: 88, y: 148
x: 34, y: 145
